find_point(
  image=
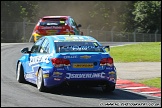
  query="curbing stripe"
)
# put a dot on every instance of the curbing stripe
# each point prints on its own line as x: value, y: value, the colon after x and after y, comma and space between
x: 130, y: 86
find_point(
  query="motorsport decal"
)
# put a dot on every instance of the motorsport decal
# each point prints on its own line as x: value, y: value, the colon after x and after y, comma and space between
x: 52, y: 27
x: 109, y: 68
x: 85, y: 57
x: 85, y: 75
x: 65, y: 57
x: 38, y: 59
x: 45, y: 75
x: 57, y: 73
x: 30, y: 75
x: 112, y: 72
x: 80, y: 48
x: 111, y: 79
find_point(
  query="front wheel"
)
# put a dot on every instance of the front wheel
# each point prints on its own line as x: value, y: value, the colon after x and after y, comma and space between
x: 20, y: 73
x: 40, y: 81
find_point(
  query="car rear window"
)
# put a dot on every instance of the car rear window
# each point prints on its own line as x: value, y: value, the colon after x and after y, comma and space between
x: 53, y: 22
x: 62, y: 47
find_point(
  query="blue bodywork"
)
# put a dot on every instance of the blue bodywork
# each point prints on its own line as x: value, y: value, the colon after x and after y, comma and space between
x: 89, y: 62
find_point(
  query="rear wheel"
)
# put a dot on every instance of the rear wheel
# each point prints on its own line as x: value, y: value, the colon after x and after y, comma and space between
x: 40, y: 81
x: 20, y: 73
x: 108, y: 88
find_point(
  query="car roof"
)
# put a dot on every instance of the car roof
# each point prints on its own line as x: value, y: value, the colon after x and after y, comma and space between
x: 71, y: 38
x: 56, y: 17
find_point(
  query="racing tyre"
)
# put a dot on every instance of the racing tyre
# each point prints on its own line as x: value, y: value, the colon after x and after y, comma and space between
x: 108, y: 88
x: 20, y: 73
x: 40, y: 81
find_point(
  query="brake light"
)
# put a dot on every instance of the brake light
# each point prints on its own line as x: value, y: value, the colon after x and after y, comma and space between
x: 106, y: 61
x: 103, y: 61
x: 66, y: 62
x: 59, y: 62
x: 110, y: 60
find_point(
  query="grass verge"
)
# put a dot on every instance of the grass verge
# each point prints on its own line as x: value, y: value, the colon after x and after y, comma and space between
x: 142, y: 52
x: 153, y: 82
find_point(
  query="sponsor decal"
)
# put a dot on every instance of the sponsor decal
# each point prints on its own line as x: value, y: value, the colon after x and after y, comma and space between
x: 45, y: 75
x: 38, y: 59
x: 52, y: 27
x: 85, y: 75
x: 85, y: 57
x: 112, y: 79
x: 77, y: 48
x: 57, y: 73
x: 112, y: 72
x: 65, y: 57
x: 31, y: 75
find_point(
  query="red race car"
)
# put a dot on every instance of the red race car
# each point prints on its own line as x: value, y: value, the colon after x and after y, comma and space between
x: 56, y: 25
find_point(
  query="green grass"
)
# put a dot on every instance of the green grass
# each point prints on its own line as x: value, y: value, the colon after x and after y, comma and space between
x: 142, y: 52
x: 153, y: 82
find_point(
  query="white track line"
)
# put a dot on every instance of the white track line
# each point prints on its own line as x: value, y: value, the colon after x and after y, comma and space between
x: 135, y: 87
x: 152, y: 92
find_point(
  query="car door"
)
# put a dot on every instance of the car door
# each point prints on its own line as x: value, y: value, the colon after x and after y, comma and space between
x: 34, y: 60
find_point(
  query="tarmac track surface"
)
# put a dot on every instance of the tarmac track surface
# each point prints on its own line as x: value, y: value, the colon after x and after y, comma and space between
x: 14, y: 94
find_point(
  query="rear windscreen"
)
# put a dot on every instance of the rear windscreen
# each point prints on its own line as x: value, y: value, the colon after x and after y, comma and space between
x: 53, y: 22
x: 78, y: 47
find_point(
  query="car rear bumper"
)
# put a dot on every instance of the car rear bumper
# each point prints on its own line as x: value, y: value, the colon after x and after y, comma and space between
x: 81, y: 78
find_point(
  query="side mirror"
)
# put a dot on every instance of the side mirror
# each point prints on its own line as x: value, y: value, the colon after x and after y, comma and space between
x: 79, y: 25
x: 107, y: 48
x: 25, y: 50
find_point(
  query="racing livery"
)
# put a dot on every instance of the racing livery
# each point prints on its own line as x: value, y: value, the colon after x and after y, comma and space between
x: 72, y: 60
x: 56, y: 25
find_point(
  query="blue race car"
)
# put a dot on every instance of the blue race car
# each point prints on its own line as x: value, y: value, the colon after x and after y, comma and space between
x: 67, y: 60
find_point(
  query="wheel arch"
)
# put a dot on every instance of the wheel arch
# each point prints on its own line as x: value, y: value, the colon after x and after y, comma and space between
x: 21, y: 64
x: 39, y: 68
